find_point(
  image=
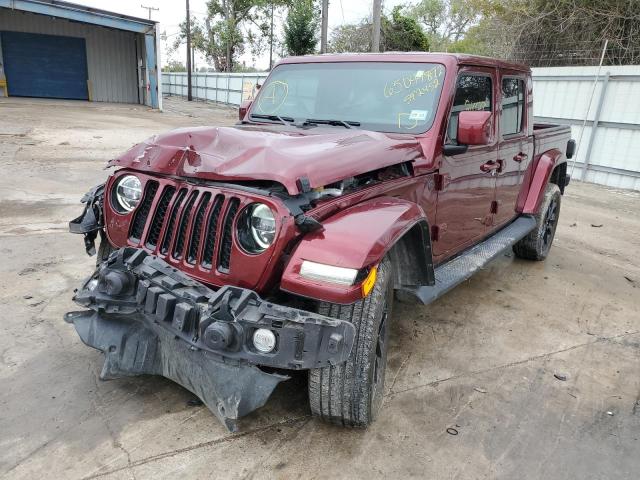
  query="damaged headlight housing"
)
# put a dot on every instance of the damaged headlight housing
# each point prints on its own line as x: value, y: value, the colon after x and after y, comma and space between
x: 127, y: 193
x: 256, y: 228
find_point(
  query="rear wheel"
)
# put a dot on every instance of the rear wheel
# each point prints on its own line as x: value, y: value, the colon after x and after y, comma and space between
x: 536, y: 245
x: 350, y: 394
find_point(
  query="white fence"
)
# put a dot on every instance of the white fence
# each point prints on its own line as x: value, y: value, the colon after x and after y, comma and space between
x: 227, y: 88
x: 610, y: 143
x: 609, y: 151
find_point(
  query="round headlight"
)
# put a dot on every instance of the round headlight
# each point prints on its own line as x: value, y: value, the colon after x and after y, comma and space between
x: 128, y: 192
x: 257, y: 228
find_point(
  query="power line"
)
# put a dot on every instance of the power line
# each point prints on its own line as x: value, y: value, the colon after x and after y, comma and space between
x: 149, y: 9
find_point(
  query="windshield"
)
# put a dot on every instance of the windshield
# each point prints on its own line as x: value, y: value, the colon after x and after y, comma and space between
x: 385, y: 97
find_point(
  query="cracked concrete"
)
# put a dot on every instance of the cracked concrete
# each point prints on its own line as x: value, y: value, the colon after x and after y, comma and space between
x: 480, y: 360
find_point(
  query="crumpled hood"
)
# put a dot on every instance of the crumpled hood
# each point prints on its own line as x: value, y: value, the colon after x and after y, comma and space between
x: 322, y: 155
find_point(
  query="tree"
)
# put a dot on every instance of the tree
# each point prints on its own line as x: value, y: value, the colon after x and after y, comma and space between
x: 351, y: 37
x: 228, y: 27
x: 300, y: 28
x: 447, y: 21
x: 401, y: 33
x: 174, y: 66
x: 562, y: 32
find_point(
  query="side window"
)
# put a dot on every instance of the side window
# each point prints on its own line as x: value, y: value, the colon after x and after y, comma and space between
x: 512, y: 106
x: 473, y: 92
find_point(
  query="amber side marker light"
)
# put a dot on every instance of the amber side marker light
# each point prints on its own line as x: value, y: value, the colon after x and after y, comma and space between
x: 369, y: 282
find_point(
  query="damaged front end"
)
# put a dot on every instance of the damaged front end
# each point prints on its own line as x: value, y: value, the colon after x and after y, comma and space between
x: 149, y: 318
x: 91, y: 221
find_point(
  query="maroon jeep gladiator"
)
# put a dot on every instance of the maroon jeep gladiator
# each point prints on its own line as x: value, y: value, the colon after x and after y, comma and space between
x: 232, y: 256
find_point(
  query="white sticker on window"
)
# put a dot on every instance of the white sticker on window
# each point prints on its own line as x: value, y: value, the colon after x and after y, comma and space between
x: 418, y: 115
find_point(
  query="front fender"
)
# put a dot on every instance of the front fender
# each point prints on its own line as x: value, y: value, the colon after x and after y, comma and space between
x: 357, y: 237
x: 530, y: 198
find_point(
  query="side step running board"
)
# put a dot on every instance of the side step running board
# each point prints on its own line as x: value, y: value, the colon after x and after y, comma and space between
x: 459, y: 269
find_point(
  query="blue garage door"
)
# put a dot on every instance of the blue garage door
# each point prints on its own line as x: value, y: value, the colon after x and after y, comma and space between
x: 45, y: 65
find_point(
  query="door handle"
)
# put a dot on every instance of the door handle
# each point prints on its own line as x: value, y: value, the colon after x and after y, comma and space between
x: 521, y: 156
x: 491, y: 166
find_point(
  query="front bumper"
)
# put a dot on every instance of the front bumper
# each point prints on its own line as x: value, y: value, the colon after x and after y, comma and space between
x: 149, y: 318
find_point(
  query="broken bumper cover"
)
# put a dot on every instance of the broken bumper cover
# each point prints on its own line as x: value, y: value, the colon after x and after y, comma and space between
x: 149, y: 318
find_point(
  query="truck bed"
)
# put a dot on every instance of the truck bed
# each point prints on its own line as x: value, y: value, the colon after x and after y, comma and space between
x: 548, y: 136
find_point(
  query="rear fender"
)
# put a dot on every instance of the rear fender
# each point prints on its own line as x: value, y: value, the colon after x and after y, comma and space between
x: 529, y: 199
x: 359, y: 237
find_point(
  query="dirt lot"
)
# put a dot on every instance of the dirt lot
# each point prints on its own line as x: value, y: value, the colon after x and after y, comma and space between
x: 480, y: 360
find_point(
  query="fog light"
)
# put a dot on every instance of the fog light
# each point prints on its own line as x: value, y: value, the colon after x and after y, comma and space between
x: 219, y: 335
x: 115, y: 283
x: 264, y: 340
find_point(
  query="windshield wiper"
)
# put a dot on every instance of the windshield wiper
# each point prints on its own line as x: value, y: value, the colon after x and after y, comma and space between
x: 283, y: 120
x: 343, y: 123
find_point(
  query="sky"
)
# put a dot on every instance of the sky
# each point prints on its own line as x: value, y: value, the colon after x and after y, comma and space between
x: 172, y: 12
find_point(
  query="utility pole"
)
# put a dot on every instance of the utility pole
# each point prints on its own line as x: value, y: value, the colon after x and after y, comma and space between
x: 375, y: 37
x: 325, y: 19
x: 271, y: 40
x: 189, y: 96
x: 149, y: 9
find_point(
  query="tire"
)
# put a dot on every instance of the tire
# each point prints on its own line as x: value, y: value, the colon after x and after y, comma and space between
x: 104, y: 249
x: 350, y: 394
x: 536, y: 245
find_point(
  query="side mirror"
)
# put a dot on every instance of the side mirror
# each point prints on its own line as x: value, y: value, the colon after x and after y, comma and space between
x: 244, y: 108
x: 474, y: 128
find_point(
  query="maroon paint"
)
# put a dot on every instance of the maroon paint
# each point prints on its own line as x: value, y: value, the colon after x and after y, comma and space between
x: 356, y: 237
x: 515, y: 155
x: 463, y: 212
x: 244, y: 108
x: 246, y: 270
x: 361, y: 226
x: 544, y: 167
x: 475, y: 128
x: 269, y: 152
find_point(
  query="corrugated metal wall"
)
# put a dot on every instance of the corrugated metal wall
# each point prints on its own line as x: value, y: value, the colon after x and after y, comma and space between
x: 111, y: 54
x: 561, y: 95
x: 224, y: 88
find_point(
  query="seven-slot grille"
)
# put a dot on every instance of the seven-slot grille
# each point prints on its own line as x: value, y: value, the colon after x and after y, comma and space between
x: 186, y: 224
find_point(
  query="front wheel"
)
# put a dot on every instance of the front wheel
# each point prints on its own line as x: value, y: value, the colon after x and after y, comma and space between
x: 536, y: 245
x: 351, y: 393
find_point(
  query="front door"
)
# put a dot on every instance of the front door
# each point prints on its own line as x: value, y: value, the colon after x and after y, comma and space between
x: 467, y: 190
x: 516, y: 145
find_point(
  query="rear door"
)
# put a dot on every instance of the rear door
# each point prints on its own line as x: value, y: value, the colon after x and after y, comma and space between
x: 49, y: 66
x: 516, y: 143
x: 465, y: 197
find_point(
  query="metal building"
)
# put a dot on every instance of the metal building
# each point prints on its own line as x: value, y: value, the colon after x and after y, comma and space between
x: 56, y: 49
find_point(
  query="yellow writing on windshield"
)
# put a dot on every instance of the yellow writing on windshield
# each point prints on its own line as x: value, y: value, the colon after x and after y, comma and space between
x: 273, y: 96
x: 405, y: 121
x: 411, y: 97
x: 423, y: 80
